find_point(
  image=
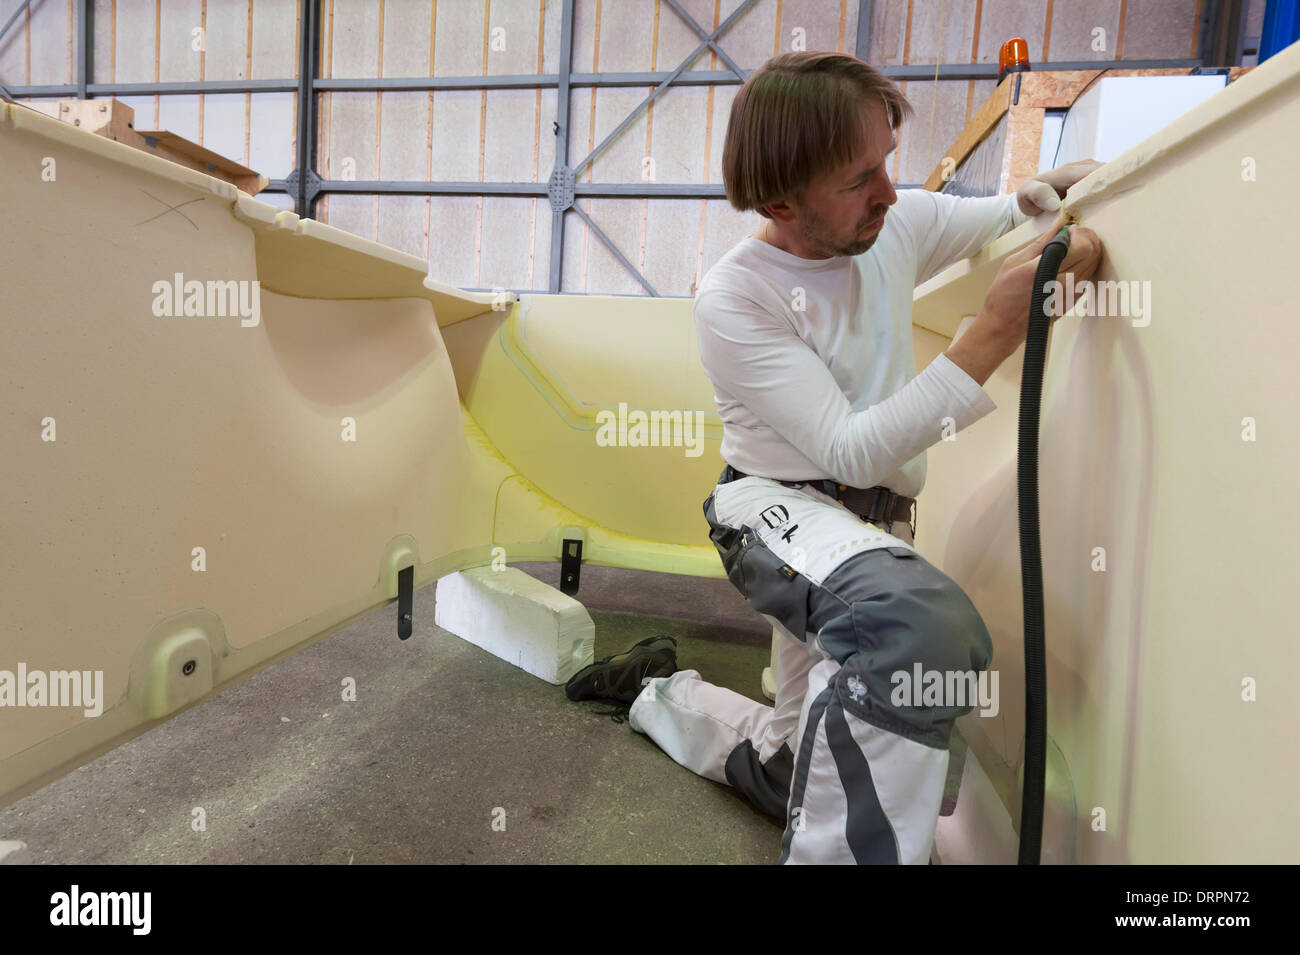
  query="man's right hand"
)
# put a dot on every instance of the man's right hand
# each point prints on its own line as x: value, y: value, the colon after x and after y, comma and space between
x: 1003, y: 321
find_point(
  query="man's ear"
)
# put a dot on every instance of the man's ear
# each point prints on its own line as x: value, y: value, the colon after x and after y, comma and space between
x: 780, y: 211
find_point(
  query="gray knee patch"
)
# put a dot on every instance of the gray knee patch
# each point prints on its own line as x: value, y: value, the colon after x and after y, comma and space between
x: 911, y: 647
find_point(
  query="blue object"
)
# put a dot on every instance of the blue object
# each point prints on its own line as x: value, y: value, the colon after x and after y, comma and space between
x: 1281, y: 27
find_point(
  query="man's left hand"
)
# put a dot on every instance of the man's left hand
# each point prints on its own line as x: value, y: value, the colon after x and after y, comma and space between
x: 1045, y: 191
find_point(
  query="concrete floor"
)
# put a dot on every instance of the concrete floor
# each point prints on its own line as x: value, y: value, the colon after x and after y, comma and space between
x: 441, y: 734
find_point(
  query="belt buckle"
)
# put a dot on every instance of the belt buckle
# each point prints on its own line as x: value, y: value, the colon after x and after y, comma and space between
x: 883, y: 515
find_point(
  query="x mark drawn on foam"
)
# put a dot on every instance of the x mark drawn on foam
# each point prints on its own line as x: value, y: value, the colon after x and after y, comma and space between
x: 170, y: 208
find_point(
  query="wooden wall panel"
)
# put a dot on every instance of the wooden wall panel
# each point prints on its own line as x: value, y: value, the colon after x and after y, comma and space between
x: 545, y: 107
x: 355, y: 31
x: 511, y: 129
x: 980, y: 91
x: 400, y: 223
x: 179, y: 113
x: 551, y: 36
x: 456, y: 121
x: 406, y: 38
x: 48, y: 26
x: 941, y: 32
x: 453, y: 231
x: 1161, y: 28
x: 103, y: 41
x: 723, y: 228
x: 135, y: 36
x: 458, y: 49
x: 458, y: 135
x: 519, y: 24
x: 278, y: 199
x: 539, y: 262
x: 627, y: 34
x: 676, y: 142
x: 849, y: 44
x: 821, y: 25
x: 1000, y: 20
x: 226, y: 40
x: 275, y: 39
x: 225, y: 122
x: 595, y: 113
x: 507, y: 244
x: 669, y: 247
x: 271, y: 122
x: 351, y: 136
x: 939, y: 120
x: 620, y: 219
x: 354, y: 214
x: 749, y: 40
x: 1072, y: 26
x: 506, y: 136
x: 13, y: 47
x: 584, y: 35
x: 717, y: 131
x: 176, y: 59
x: 888, y: 33
x: 403, y: 134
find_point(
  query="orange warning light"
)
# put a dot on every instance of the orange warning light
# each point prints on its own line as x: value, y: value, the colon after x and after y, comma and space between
x: 1013, y: 57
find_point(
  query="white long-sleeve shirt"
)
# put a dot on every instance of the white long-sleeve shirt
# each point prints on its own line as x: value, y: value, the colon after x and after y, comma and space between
x: 830, y: 390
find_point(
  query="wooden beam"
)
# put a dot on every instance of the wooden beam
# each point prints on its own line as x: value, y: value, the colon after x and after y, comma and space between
x: 113, y: 119
x: 979, y: 127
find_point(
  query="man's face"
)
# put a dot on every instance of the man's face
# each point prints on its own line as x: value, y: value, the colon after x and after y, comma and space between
x: 842, y: 212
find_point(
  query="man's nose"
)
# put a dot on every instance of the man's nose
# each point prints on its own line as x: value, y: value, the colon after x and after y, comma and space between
x: 885, y: 194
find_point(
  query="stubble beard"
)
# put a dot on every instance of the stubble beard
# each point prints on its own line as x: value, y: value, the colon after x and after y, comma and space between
x: 814, y: 236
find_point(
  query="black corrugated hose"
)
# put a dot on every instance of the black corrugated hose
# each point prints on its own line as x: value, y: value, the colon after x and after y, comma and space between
x: 1031, y: 561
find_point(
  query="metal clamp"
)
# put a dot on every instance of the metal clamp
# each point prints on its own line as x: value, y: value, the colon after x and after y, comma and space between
x: 883, y: 514
x: 570, y: 566
x: 405, y: 598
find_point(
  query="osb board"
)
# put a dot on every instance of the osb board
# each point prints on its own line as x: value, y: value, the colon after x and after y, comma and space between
x: 1039, y: 91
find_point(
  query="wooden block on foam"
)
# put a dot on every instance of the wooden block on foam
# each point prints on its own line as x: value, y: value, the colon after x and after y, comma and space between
x: 519, y: 619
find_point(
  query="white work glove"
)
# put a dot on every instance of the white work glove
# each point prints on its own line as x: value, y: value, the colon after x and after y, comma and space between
x: 1043, y: 193
x: 1036, y: 194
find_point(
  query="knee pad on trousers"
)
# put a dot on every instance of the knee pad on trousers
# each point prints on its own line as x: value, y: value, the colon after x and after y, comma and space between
x: 912, y: 648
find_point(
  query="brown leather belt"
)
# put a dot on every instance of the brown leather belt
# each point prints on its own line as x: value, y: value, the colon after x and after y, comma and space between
x: 876, y: 505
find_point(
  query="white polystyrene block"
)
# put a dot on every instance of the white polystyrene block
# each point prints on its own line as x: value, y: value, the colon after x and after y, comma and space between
x: 519, y: 619
x: 13, y: 852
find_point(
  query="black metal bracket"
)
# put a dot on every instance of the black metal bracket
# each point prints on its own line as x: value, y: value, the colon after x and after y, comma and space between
x: 570, y: 566
x: 405, y: 595
x: 313, y: 185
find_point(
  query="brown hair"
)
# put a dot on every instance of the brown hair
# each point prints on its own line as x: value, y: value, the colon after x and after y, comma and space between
x: 796, y: 117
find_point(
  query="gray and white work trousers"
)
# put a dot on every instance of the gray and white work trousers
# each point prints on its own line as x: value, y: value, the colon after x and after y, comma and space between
x: 854, y: 768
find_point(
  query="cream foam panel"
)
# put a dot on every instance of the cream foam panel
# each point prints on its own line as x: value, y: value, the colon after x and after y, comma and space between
x: 476, y: 428
x: 1142, y: 454
x: 226, y: 434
